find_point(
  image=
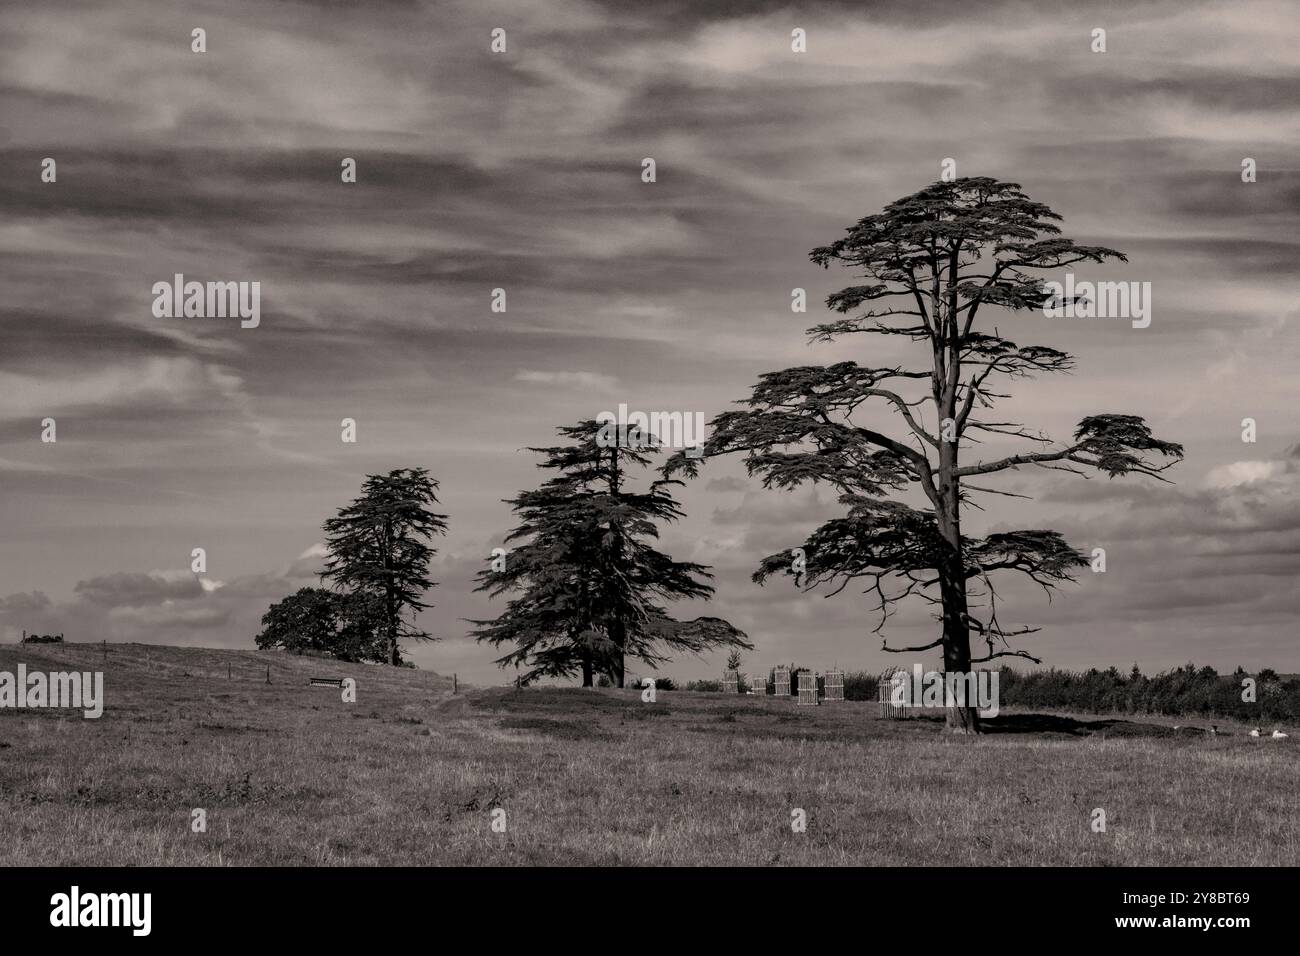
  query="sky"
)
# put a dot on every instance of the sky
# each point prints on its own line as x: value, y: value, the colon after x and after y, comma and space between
x: 522, y: 170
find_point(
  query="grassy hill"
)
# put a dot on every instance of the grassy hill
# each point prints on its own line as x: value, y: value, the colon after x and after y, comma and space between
x: 410, y: 774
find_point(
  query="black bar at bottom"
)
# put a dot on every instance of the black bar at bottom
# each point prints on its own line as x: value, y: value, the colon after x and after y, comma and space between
x: 311, y: 906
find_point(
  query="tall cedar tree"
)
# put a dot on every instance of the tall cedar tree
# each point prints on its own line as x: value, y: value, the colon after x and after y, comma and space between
x: 377, y: 545
x: 932, y: 262
x: 586, y: 574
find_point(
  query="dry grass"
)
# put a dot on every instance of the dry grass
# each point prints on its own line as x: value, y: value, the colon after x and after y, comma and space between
x: 288, y: 774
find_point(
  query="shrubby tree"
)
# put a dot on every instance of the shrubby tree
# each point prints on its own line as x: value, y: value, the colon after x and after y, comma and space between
x: 585, y: 575
x: 932, y: 265
x: 378, y: 545
x: 349, y: 626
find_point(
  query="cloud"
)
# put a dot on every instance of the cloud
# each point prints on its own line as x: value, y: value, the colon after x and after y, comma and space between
x: 171, y: 606
x: 30, y: 603
x: 121, y: 589
x: 167, y: 618
x: 1245, y: 473
x: 170, y: 381
x: 569, y: 379
x: 727, y: 483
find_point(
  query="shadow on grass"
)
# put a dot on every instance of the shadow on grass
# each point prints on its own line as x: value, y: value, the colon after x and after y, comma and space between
x: 1074, y: 727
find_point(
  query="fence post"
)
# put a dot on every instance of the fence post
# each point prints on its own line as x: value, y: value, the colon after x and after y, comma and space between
x: 227, y: 670
x: 268, y: 673
x: 455, y: 684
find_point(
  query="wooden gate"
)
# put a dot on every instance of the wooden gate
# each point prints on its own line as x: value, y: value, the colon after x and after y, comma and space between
x: 808, y: 688
x: 781, y: 678
x: 891, y: 693
x: 834, y: 684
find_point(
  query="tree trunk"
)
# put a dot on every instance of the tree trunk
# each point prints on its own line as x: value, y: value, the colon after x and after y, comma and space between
x: 617, y: 629
x: 392, y: 633
x: 960, y: 719
x: 586, y: 670
x: 390, y: 606
x: 956, y: 644
x: 618, y: 658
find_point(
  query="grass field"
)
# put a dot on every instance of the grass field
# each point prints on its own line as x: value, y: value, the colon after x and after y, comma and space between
x: 410, y: 774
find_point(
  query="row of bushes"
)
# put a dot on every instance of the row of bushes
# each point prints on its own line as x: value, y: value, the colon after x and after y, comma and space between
x: 41, y: 638
x: 1188, y: 690
x: 1184, y: 690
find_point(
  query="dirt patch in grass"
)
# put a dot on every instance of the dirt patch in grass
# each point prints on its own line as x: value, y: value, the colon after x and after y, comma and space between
x: 539, y: 699
x: 589, y: 705
x: 561, y: 729
x: 240, y: 730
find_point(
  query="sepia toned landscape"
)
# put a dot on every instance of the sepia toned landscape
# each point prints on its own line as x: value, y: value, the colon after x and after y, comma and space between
x: 410, y: 774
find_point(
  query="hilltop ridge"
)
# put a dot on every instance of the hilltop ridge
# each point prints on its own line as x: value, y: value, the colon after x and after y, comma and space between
x: 165, y: 661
